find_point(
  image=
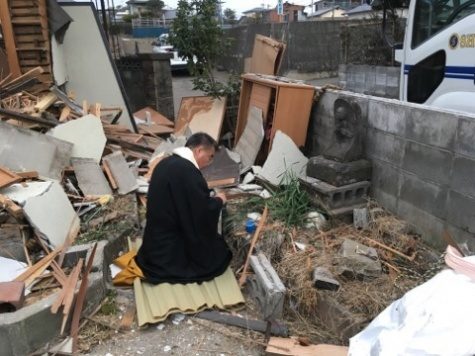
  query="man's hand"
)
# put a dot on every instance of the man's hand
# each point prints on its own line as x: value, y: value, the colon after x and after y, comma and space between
x: 221, y: 196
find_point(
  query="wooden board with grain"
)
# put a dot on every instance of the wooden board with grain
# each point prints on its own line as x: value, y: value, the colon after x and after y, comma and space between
x: 267, y: 55
x: 279, y: 346
x: 7, y: 177
x: 201, y: 114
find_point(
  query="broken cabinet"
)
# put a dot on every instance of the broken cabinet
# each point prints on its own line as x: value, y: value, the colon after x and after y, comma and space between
x: 285, y: 104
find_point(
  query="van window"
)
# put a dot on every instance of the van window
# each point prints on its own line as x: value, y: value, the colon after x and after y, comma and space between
x: 432, y: 16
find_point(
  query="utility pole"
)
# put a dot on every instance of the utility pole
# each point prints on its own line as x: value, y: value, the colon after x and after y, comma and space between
x: 104, y: 18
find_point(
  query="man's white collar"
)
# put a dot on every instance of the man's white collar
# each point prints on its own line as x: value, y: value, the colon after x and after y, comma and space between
x: 186, y: 153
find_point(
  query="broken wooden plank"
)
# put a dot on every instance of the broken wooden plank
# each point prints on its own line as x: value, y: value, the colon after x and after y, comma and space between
x: 27, y: 118
x: 262, y: 222
x: 109, y: 175
x: 7, y: 177
x: 13, y: 209
x: 81, y: 297
x: 69, y: 295
x: 278, y: 346
x: 38, y: 268
x: 28, y: 174
x: 45, y: 102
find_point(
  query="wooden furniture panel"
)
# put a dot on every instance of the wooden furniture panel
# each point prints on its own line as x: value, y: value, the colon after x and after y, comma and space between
x: 292, y: 113
x: 260, y: 98
x: 286, y: 105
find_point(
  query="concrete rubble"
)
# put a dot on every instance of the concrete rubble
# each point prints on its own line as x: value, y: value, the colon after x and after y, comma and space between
x: 358, y: 261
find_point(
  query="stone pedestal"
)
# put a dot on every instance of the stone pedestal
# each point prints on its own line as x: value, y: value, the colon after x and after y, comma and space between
x: 338, y: 173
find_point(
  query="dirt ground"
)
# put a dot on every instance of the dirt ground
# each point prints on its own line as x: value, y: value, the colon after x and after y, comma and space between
x: 190, y: 336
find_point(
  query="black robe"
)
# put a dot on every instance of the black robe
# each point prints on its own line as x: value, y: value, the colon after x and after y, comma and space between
x: 181, y: 243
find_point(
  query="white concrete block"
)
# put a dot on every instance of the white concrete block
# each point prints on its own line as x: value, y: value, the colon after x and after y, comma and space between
x: 284, y: 156
x: 87, y: 135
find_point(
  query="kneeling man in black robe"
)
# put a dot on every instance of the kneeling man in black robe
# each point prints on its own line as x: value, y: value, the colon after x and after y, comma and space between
x: 181, y: 243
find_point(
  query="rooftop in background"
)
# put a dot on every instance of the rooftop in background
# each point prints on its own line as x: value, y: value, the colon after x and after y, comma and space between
x: 359, y: 9
x: 256, y: 10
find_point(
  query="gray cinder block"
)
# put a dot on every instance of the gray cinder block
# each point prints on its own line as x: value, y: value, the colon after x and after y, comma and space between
x: 266, y: 287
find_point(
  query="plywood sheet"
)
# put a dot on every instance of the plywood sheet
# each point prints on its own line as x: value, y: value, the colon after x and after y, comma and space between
x: 121, y: 172
x: 90, y: 177
x: 266, y: 55
x: 251, y: 139
x: 201, y: 114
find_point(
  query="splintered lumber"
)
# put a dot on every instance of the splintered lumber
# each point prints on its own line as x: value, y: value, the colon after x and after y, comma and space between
x: 69, y: 292
x: 45, y: 102
x: 38, y: 268
x: 7, y: 177
x: 13, y: 209
x: 28, y: 118
x: 81, y: 298
x: 262, y: 222
x: 278, y: 346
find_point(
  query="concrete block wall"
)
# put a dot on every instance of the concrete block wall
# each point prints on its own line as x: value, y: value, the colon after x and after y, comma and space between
x: 371, y: 80
x: 423, y: 162
x: 312, y: 46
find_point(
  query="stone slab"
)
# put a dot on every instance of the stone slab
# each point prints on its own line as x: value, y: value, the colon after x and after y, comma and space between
x: 27, y: 150
x: 86, y: 134
x: 358, y: 261
x: 323, y: 279
x: 338, y: 173
x: 266, y: 287
x: 90, y: 177
x: 361, y: 218
x: 121, y: 172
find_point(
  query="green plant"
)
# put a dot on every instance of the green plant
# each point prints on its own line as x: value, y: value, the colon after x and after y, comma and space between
x: 197, y: 36
x: 289, y: 203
